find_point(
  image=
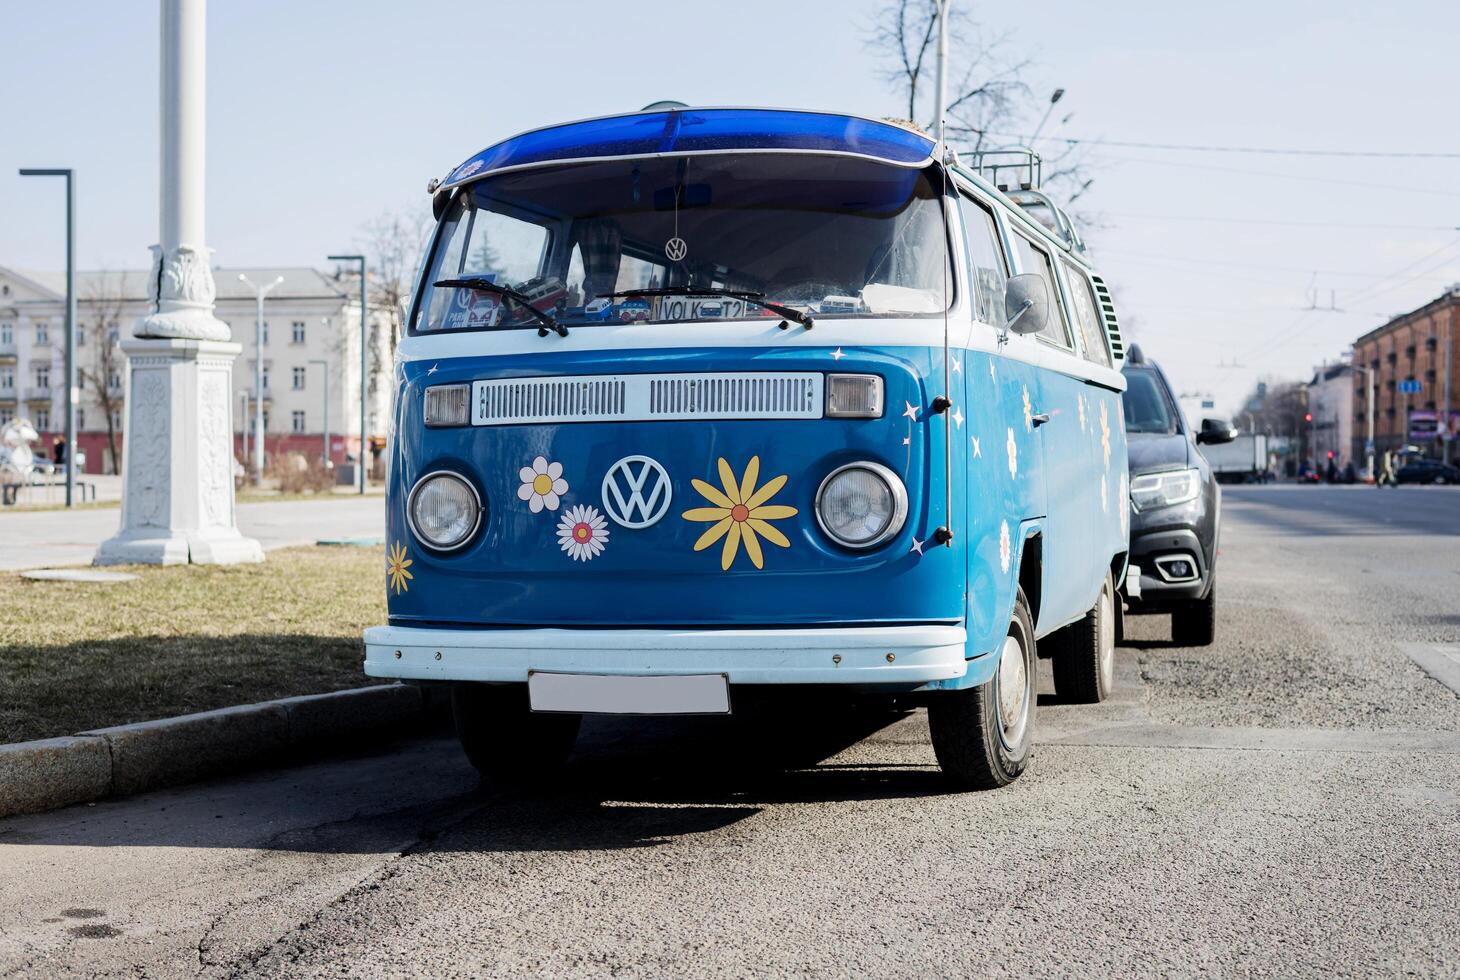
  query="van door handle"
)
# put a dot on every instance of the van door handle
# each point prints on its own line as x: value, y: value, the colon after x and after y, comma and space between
x: 1039, y: 419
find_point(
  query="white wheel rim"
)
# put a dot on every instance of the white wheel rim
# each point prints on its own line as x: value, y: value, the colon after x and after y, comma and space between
x: 1107, y: 642
x: 1013, y: 691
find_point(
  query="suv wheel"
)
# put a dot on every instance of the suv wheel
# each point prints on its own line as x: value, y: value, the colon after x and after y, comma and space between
x: 1196, y: 625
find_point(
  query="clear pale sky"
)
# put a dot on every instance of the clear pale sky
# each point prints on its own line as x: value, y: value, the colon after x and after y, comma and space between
x: 322, y: 115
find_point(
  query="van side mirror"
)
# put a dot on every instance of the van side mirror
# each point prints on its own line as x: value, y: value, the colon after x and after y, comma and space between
x: 1214, y: 431
x: 1026, y: 301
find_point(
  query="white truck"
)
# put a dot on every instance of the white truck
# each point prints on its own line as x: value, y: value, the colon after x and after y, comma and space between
x: 1243, y: 460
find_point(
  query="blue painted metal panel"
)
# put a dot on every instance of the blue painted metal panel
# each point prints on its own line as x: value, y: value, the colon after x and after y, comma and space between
x: 517, y: 572
x: 701, y: 130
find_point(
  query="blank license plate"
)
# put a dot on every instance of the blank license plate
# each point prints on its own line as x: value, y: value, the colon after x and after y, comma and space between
x: 616, y: 694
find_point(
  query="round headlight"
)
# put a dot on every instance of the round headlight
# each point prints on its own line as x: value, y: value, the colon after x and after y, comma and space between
x: 444, y: 510
x: 861, y: 505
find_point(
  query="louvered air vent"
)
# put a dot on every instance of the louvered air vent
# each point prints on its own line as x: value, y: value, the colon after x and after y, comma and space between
x: 1107, y: 313
x: 647, y: 397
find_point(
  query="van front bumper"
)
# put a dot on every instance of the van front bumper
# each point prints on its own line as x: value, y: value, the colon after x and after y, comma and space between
x: 895, y: 655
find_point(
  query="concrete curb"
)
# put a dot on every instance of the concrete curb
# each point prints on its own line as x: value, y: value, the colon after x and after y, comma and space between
x: 57, y: 772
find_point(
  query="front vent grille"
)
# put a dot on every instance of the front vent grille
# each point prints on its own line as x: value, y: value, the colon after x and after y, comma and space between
x: 648, y: 398
x: 1107, y: 313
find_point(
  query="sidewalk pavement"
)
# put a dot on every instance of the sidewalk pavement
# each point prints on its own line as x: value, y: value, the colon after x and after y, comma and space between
x: 48, y: 539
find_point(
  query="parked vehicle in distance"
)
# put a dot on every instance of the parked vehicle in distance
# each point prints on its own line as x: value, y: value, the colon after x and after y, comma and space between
x: 1243, y: 460
x: 1427, y: 471
x: 662, y: 512
x: 1175, y: 505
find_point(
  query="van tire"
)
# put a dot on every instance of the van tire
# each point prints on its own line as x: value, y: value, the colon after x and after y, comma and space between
x: 974, y: 746
x: 1084, y: 652
x: 505, y: 741
x: 1196, y: 624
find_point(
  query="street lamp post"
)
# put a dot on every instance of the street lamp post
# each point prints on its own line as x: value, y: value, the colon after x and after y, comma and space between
x: 258, y: 374
x: 1370, y: 383
x: 325, y: 370
x: 364, y: 363
x: 1059, y: 93
x: 70, y: 425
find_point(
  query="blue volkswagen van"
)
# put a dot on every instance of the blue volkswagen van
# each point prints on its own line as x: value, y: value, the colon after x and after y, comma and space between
x: 693, y: 401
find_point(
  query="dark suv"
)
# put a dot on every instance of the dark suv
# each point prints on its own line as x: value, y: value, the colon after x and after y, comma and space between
x: 1175, y: 505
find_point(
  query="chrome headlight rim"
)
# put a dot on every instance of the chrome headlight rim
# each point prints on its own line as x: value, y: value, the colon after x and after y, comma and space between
x: 426, y: 542
x: 899, y: 505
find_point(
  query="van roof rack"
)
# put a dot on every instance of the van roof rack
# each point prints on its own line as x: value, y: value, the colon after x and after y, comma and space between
x: 1018, y: 171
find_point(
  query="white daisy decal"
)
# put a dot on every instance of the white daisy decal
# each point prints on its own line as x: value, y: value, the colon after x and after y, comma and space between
x: 1005, y: 551
x: 542, y: 485
x: 582, y: 532
x: 1013, y: 449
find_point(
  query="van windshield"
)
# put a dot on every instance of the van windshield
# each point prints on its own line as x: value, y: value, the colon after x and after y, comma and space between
x: 825, y: 235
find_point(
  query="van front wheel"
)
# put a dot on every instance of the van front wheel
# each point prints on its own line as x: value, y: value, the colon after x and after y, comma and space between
x: 982, y: 735
x: 504, y: 739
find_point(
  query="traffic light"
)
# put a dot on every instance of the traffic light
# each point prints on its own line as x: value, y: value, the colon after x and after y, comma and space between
x: 1308, y: 417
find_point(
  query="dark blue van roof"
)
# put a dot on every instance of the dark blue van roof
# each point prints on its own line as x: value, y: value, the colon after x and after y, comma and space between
x: 679, y: 131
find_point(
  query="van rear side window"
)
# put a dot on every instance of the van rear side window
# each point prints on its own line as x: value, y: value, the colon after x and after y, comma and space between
x: 987, y: 271
x: 1034, y: 259
x: 1092, y: 331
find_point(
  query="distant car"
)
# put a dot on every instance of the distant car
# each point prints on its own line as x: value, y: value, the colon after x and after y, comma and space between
x: 1175, y: 505
x: 1427, y: 471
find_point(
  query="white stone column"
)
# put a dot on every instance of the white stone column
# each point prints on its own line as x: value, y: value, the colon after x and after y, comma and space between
x: 177, y: 499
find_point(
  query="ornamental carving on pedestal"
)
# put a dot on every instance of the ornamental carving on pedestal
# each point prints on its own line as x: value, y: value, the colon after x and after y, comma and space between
x: 182, y: 292
x: 149, y: 473
x: 215, y: 470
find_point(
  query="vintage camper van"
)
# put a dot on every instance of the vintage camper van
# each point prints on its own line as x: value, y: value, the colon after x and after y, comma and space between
x: 693, y: 401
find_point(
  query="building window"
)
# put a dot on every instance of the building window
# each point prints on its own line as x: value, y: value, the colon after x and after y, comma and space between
x: 80, y: 419
x: 1374, y: 364
x: 1430, y: 343
x: 266, y: 378
x: 296, y: 422
x: 117, y: 419
x: 7, y: 415
x: 43, y: 419
x: 299, y: 379
x: 80, y: 335
x: 266, y: 421
x: 112, y: 337
x: 1409, y: 352
x: 42, y: 333
x: 1430, y: 375
x: 7, y: 377
x: 1392, y: 357
x: 43, y: 376
x: 7, y: 334
x: 298, y: 331
x: 114, y: 380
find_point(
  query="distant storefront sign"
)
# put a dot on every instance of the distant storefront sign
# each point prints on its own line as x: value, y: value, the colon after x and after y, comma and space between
x: 1423, y: 426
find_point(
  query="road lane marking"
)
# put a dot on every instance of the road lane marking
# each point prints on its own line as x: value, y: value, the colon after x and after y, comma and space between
x: 1262, y: 739
x: 1440, y: 660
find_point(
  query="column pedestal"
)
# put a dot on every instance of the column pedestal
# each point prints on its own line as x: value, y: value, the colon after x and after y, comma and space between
x: 177, y: 501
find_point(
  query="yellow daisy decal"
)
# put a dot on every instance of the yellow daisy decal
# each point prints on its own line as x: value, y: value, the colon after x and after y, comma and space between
x: 396, y: 565
x: 740, y: 514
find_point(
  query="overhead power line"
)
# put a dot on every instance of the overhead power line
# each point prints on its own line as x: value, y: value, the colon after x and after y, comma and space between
x: 1265, y: 150
x: 1270, y: 221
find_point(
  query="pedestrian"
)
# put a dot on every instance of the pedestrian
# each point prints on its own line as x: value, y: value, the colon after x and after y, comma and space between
x: 1332, y: 474
x: 58, y: 452
x: 1386, y: 472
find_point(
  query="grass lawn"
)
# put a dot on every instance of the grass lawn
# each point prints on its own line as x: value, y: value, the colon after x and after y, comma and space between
x: 185, y: 638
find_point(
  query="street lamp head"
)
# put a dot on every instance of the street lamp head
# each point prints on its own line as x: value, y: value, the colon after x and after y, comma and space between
x: 1059, y: 93
x: 242, y: 277
x: 277, y: 280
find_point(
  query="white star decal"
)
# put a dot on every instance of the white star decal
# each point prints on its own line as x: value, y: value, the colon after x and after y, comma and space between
x: 958, y: 416
x: 433, y: 369
x: 917, y: 546
x: 906, y: 441
x: 912, y: 411
x: 992, y: 375
x: 977, y: 452
x: 837, y: 354
x: 957, y: 365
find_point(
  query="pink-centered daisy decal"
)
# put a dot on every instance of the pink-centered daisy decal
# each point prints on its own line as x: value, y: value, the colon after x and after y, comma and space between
x: 582, y: 533
x: 542, y: 485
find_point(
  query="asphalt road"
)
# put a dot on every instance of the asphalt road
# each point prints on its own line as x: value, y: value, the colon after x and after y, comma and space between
x: 1285, y: 802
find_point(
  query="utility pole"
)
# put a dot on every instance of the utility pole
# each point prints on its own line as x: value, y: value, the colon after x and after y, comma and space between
x: 70, y: 424
x: 364, y: 363
x: 258, y: 374
x: 324, y: 367
x: 1444, y: 405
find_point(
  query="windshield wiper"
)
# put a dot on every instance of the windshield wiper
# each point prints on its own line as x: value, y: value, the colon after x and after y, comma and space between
x: 483, y: 285
x: 750, y: 297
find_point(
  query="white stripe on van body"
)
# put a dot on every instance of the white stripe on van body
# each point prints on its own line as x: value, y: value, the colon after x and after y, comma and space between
x: 829, y: 333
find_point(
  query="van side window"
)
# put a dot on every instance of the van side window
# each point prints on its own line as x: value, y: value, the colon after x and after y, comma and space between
x: 1034, y: 259
x: 1092, y: 332
x: 988, y: 272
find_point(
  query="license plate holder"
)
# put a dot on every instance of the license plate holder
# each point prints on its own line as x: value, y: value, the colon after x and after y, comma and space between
x: 629, y: 694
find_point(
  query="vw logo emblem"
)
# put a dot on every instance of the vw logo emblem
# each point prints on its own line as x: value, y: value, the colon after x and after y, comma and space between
x: 636, y: 492
x: 676, y: 248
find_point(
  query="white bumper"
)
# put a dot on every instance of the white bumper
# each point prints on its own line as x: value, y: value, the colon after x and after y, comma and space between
x: 870, y: 655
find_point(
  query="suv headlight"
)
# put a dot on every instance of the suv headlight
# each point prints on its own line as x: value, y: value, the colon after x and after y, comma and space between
x: 1153, y: 490
x: 443, y: 510
x: 861, y: 505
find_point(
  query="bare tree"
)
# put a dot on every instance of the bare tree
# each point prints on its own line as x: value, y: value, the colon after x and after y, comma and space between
x: 988, y: 94
x: 102, y: 366
x: 395, y: 242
